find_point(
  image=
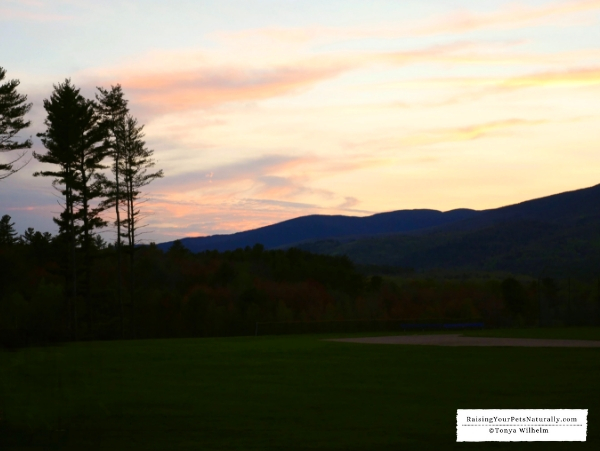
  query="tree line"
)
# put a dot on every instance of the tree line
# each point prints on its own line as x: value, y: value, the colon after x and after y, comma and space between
x: 83, y: 137
x: 181, y: 294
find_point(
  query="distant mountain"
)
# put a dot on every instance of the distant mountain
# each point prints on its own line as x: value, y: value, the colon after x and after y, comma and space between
x: 558, y: 234
x: 319, y: 227
x: 554, y: 235
x: 563, y: 208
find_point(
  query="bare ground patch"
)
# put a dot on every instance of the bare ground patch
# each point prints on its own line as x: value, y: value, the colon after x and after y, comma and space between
x: 458, y: 340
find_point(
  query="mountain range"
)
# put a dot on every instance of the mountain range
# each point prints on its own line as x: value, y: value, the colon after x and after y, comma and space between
x: 314, y: 227
x: 557, y: 234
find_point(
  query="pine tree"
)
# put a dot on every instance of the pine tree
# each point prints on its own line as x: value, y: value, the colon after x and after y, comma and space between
x: 8, y: 234
x: 60, y: 139
x: 89, y: 154
x: 75, y: 142
x: 112, y: 107
x: 136, y: 162
x: 13, y: 108
x: 32, y: 238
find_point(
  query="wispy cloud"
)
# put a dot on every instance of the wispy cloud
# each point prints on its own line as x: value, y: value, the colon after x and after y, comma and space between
x: 283, y: 176
x: 267, y: 186
x: 212, y: 83
x: 249, y: 169
x: 211, y: 86
x: 348, y: 203
x: 300, y: 115
x: 198, y: 219
x: 513, y: 16
x: 576, y: 77
x: 468, y: 133
x: 447, y: 135
x: 471, y: 89
x: 573, y: 77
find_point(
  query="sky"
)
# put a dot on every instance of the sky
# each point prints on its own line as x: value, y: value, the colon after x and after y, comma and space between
x: 260, y: 111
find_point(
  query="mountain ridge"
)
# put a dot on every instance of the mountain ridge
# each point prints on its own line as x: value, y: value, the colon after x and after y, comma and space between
x: 324, y: 226
x: 560, y: 231
x: 558, y: 234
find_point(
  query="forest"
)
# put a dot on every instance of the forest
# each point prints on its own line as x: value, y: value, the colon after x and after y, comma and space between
x: 181, y: 294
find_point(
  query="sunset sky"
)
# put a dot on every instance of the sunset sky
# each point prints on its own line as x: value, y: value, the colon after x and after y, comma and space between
x: 265, y: 110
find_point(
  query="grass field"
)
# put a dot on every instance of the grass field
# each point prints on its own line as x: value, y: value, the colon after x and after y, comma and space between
x: 288, y: 393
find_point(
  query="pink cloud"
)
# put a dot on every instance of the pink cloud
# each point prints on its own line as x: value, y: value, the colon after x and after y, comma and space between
x: 269, y: 176
x: 170, y: 220
x: 213, y: 85
x: 202, y: 88
x: 249, y: 194
x: 513, y: 16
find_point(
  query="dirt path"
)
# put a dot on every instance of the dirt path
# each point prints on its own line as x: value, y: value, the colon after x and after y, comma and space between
x: 457, y: 340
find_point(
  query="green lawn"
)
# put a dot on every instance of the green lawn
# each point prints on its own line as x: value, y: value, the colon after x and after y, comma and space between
x: 288, y: 393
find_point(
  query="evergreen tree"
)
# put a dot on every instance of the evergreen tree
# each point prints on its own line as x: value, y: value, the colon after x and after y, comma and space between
x: 112, y: 107
x: 136, y: 163
x: 89, y: 188
x: 74, y: 140
x: 13, y: 108
x: 8, y: 235
x: 32, y: 238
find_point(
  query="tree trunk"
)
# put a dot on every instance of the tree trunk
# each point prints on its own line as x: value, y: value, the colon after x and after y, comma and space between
x: 131, y: 225
x: 87, y: 260
x: 73, y: 265
x: 119, y: 265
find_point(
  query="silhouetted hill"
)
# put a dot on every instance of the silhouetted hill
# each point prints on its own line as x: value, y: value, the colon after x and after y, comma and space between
x: 558, y: 235
x: 321, y: 226
x: 560, y: 208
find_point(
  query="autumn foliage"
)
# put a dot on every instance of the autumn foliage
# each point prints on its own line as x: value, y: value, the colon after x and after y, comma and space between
x: 180, y: 294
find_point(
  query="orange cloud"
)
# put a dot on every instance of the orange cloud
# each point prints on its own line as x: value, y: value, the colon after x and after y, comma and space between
x: 478, y: 87
x: 172, y: 220
x: 446, y: 135
x: 209, y: 219
x: 173, y: 217
x: 262, y: 191
x: 212, y: 85
x: 566, y: 78
x: 203, y: 88
x: 578, y: 77
x: 468, y: 133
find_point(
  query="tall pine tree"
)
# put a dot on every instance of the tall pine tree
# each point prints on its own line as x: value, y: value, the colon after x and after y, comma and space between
x: 113, y: 110
x: 136, y: 165
x: 74, y: 139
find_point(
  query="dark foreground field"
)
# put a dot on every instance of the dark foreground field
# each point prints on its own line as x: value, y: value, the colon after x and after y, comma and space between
x: 288, y: 393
